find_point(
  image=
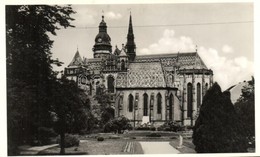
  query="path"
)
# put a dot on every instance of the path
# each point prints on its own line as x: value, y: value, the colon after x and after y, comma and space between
x: 25, y: 150
x: 158, y: 148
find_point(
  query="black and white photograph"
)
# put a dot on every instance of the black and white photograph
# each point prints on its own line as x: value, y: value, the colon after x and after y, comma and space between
x: 130, y: 78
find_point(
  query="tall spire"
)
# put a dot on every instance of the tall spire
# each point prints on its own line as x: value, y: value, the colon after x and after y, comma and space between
x: 130, y: 44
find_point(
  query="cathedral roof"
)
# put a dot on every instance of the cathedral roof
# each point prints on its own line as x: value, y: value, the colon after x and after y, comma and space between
x: 142, y: 75
x: 77, y: 60
x: 189, y: 60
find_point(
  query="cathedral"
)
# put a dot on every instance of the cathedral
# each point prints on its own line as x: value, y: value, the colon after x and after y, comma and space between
x: 147, y: 89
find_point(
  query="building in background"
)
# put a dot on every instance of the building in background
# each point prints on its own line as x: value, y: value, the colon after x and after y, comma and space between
x: 147, y: 88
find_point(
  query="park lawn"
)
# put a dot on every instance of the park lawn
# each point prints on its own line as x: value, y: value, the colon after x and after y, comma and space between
x: 94, y: 147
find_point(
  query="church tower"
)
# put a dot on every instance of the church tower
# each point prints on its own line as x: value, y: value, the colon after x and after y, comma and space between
x: 102, y: 47
x: 130, y: 44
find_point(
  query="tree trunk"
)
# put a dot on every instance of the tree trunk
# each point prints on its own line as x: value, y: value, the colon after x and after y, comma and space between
x: 62, y: 143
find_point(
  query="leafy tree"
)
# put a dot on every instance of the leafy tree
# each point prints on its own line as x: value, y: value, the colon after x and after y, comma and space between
x: 245, y: 108
x: 29, y: 68
x: 104, y: 108
x: 218, y: 129
x: 69, y: 105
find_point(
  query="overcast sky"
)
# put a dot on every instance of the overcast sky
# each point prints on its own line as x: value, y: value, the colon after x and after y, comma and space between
x: 226, y: 46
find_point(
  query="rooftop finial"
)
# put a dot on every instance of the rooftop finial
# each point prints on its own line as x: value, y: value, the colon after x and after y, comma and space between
x: 196, y: 48
x: 77, y: 47
x: 102, y: 15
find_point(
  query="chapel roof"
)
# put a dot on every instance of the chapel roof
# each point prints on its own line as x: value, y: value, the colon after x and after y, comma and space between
x: 142, y: 75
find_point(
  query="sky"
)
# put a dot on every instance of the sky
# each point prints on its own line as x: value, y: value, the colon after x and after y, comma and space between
x: 223, y: 33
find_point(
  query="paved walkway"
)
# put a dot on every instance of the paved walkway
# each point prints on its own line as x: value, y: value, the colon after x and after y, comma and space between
x: 25, y: 150
x: 158, y: 148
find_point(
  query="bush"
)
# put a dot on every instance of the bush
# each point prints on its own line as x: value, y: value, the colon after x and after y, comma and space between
x: 70, y: 140
x: 45, y: 135
x: 100, y: 139
x: 117, y: 125
x: 153, y: 135
x: 171, y: 126
x: 145, y: 128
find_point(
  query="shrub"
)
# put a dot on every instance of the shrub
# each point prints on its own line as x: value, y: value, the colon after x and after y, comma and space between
x: 45, y: 135
x: 117, y: 125
x: 153, y: 135
x: 152, y: 128
x: 70, y: 140
x: 100, y: 139
x: 170, y: 126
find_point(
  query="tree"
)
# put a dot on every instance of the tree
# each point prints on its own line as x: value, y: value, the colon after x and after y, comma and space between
x: 218, y: 129
x: 103, y: 107
x: 29, y: 70
x: 69, y: 104
x: 245, y: 108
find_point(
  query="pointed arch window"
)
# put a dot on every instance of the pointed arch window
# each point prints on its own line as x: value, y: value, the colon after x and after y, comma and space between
x: 145, y: 104
x: 189, y: 98
x: 110, y: 84
x: 122, y: 64
x: 159, y: 103
x: 198, y: 95
x: 130, y: 103
x: 171, y: 106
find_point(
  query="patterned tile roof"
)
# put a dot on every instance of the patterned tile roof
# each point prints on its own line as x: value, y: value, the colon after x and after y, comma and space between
x: 185, y: 60
x: 142, y: 75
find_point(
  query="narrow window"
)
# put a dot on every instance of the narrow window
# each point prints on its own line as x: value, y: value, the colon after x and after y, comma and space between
x: 159, y: 103
x: 130, y: 103
x: 189, y: 97
x: 145, y: 104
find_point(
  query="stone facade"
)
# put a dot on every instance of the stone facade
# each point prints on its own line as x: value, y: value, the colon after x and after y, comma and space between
x: 147, y: 88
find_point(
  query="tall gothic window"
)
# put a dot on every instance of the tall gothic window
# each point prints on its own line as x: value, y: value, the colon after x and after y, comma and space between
x: 130, y: 103
x: 145, y: 104
x: 171, y: 107
x: 110, y: 84
x: 189, y: 97
x: 122, y: 65
x: 159, y: 103
x: 198, y: 95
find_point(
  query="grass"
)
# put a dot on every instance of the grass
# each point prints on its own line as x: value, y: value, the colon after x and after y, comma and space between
x: 94, y: 147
